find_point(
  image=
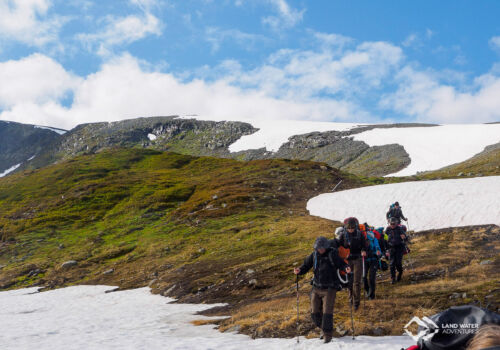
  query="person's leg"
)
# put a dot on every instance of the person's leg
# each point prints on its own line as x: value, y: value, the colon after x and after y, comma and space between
x: 328, y: 306
x: 392, y: 261
x: 358, y: 272
x: 372, y: 278
x: 316, y: 307
x: 399, y: 265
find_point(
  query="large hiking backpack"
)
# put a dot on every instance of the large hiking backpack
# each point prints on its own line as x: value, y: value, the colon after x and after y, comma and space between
x: 455, y: 327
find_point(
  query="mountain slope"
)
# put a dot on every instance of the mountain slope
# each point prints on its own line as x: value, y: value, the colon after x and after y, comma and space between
x: 204, y: 229
x: 20, y: 142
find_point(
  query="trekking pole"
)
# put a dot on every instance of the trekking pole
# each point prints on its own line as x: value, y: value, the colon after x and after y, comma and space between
x: 350, y: 303
x: 337, y: 185
x: 364, y: 292
x: 297, y: 285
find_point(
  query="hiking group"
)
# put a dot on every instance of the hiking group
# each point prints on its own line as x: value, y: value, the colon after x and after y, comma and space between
x: 355, y: 253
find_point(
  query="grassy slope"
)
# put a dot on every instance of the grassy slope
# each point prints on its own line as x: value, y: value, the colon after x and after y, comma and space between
x: 207, y: 229
x: 485, y: 163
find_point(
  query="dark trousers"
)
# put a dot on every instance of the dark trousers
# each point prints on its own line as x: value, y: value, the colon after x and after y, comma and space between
x: 396, y: 260
x: 356, y: 266
x: 322, y: 304
x: 371, y: 267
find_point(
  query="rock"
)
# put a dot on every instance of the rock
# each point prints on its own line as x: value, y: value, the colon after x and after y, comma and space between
x: 250, y: 272
x: 61, y: 246
x: 202, y: 250
x: 455, y: 296
x: 168, y: 291
x: 224, y: 205
x: 460, y: 174
x: 68, y: 264
x: 464, y: 295
x: 253, y: 282
x: 2, y: 266
x: 341, y: 331
x: 33, y: 273
x: 214, y: 197
x: 322, y: 167
x: 152, y: 282
x: 378, y: 332
x: 107, y: 272
x: 486, y: 262
x: 235, y: 328
x: 112, y: 290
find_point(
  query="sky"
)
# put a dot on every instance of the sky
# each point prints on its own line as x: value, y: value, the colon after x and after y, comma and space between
x: 66, y: 62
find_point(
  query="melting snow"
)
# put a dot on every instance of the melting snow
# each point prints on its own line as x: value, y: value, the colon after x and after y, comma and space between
x: 427, y: 204
x: 11, y: 169
x: 151, y: 137
x: 84, y: 317
x: 59, y: 131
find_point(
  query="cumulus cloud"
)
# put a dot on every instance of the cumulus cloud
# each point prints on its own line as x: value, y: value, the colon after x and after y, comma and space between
x: 495, y: 43
x: 28, y: 21
x: 422, y: 96
x: 123, y: 30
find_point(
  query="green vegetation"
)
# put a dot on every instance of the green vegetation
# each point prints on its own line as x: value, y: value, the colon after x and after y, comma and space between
x: 207, y: 229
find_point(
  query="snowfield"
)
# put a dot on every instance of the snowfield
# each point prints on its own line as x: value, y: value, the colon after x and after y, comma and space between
x: 427, y: 204
x: 430, y: 148
x: 85, y: 317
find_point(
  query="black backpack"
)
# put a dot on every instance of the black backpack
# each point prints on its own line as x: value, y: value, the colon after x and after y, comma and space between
x: 456, y: 327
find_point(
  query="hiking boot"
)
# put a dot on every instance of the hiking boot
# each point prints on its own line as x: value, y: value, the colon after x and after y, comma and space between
x: 328, y: 338
x: 399, y: 276
x: 356, y: 307
x: 393, y: 281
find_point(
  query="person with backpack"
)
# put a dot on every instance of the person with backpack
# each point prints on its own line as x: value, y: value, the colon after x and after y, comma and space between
x: 396, y: 245
x: 326, y: 264
x: 351, y: 238
x: 371, y: 264
x: 395, y: 211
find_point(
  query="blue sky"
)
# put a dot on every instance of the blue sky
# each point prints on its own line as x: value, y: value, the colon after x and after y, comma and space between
x: 68, y: 62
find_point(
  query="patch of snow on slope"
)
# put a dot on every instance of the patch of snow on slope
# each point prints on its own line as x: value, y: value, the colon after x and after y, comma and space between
x: 432, y: 148
x: 151, y: 137
x: 84, y: 317
x: 427, y: 204
x: 59, y: 131
x: 11, y: 169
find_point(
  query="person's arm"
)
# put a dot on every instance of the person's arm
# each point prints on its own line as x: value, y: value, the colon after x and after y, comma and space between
x: 307, y: 265
x: 377, y: 247
x: 402, y: 216
x: 388, y: 215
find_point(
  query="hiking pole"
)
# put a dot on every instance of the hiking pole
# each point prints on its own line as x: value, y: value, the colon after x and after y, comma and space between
x: 364, y: 279
x: 337, y: 185
x: 297, y: 285
x: 350, y: 303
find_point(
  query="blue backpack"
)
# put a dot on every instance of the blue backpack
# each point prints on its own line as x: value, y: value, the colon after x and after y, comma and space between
x: 373, y: 246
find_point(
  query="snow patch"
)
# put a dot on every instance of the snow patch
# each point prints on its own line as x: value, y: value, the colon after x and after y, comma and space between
x: 33, y: 156
x: 151, y: 137
x: 427, y: 204
x: 432, y: 148
x: 11, y: 169
x: 59, y: 131
x: 85, y: 317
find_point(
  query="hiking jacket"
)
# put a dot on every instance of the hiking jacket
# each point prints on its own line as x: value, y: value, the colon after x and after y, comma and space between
x: 355, y: 242
x: 395, y: 213
x: 325, y: 268
x: 373, y: 247
x: 395, y: 241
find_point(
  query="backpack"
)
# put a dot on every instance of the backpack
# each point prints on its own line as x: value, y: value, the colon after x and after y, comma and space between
x: 373, y: 245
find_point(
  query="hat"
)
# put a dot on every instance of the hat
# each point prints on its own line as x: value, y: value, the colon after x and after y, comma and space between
x: 321, y: 242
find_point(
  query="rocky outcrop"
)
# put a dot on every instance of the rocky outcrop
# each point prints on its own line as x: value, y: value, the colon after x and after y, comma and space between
x: 209, y: 138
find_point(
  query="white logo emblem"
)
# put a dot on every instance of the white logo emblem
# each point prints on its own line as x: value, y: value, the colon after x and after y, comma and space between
x: 427, y: 328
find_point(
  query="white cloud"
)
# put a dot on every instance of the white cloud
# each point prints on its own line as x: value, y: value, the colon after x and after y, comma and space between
x: 286, y: 17
x: 36, y: 78
x: 123, y: 30
x: 216, y: 37
x: 421, y: 95
x: 28, y: 21
x: 495, y: 43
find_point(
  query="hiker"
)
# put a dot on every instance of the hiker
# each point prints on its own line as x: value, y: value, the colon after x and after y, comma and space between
x: 371, y: 263
x: 351, y: 238
x: 395, y: 211
x: 396, y: 245
x: 326, y: 265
